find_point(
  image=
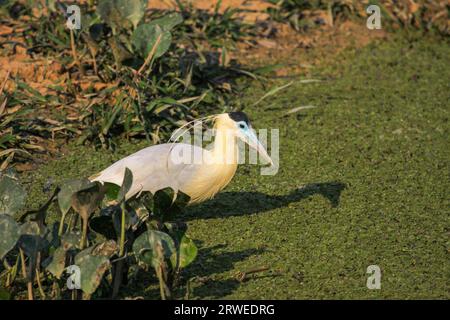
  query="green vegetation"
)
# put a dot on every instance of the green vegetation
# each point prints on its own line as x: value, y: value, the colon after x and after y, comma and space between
x: 428, y: 16
x: 107, y: 245
x: 364, y: 169
x: 156, y: 70
x: 364, y: 179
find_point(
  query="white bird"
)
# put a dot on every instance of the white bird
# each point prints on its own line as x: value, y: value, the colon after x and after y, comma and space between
x: 198, y: 172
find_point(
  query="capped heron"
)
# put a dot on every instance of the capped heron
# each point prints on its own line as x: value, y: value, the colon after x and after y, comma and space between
x: 156, y: 167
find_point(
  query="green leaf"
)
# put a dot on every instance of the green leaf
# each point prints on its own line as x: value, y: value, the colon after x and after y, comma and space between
x: 168, y: 22
x: 145, y: 37
x: 111, y: 191
x: 187, y: 252
x: 12, y: 195
x: 70, y: 240
x: 126, y: 184
x: 87, y: 200
x: 58, y: 263
x: 69, y: 189
x: 149, y: 244
x: 162, y: 201
x: 9, y: 234
x: 92, y: 269
x: 30, y: 240
x: 182, y: 200
x: 121, y: 13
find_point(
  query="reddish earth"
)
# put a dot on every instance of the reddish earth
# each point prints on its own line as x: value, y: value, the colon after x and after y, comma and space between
x: 284, y: 45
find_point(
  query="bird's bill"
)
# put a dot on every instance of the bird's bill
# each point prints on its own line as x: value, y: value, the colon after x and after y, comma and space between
x: 253, y: 142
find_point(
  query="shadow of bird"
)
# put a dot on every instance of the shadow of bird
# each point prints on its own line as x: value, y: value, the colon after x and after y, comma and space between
x: 233, y: 203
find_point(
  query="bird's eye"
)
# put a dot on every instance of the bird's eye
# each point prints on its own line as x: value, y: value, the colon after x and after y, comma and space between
x: 242, y: 126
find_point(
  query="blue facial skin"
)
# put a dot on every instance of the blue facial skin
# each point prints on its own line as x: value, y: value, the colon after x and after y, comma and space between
x: 242, y: 125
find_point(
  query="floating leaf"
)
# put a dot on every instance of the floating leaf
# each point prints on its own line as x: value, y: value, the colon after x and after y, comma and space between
x: 147, y: 244
x: 58, y: 262
x: 145, y: 37
x: 92, y: 269
x: 12, y: 195
x: 9, y: 234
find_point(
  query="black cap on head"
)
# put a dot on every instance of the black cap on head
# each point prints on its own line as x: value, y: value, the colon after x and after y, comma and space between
x: 239, y: 116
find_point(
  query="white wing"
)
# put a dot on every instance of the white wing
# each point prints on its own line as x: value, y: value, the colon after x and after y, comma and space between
x: 153, y: 169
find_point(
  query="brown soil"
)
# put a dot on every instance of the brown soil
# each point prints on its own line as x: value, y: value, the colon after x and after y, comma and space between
x: 285, y: 46
x: 298, y: 52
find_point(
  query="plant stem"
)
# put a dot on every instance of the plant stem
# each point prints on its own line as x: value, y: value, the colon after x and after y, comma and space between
x: 61, y: 225
x: 38, y: 277
x: 41, y: 290
x: 74, y: 53
x: 119, y: 265
x: 161, y: 282
x: 24, y: 273
x: 84, y: 234
x: 122, y: 232
x: 150, y: 55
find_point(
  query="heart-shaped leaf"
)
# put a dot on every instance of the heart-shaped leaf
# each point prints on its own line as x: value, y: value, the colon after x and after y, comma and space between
x: 9, y: 234
x: 69, y: 189
x: 31, y: 240
x: 12, y: 195
x: 92, y: 269
x: 121, y: 13
x: 87, y: 200
x: 187, y: 252
x: 148, y: 245
x: 58, y: 262
x: 147, y: 36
